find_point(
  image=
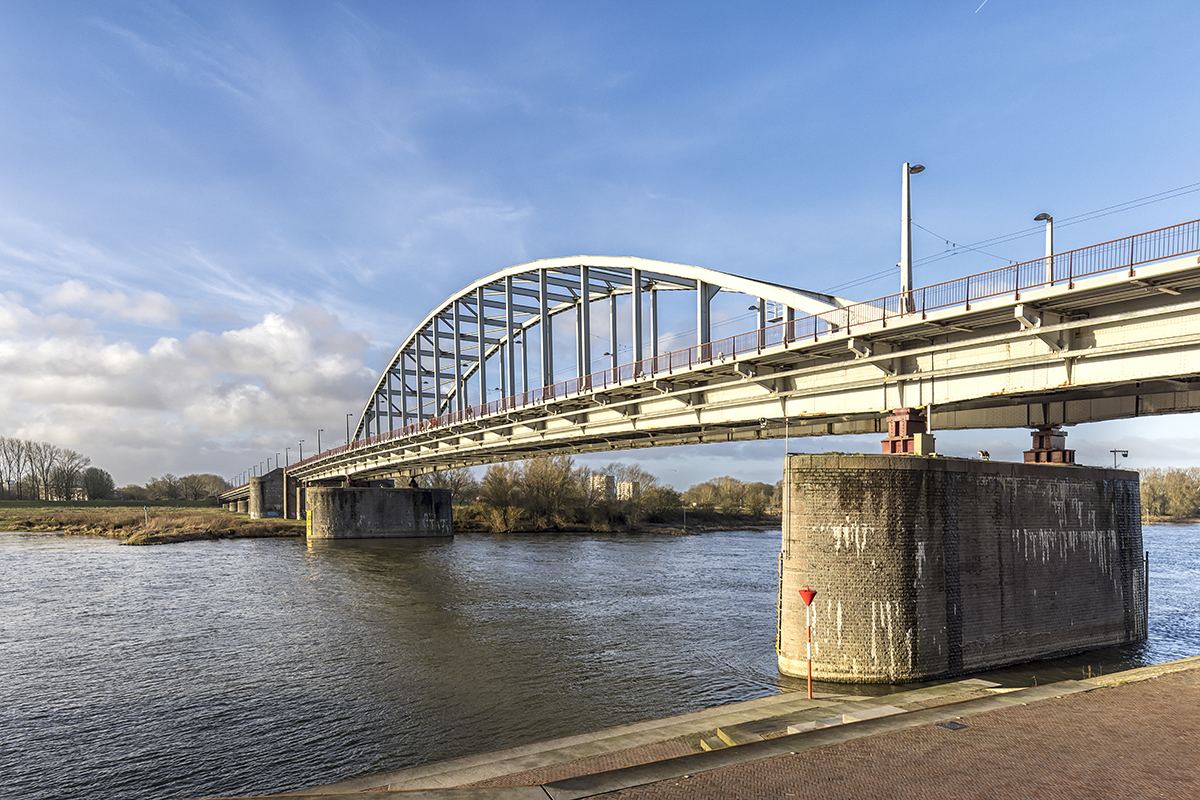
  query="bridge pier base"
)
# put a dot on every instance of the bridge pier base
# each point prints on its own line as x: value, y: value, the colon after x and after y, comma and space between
x: 933, y: 567
x: 242, y: 506
x: 378, y: 513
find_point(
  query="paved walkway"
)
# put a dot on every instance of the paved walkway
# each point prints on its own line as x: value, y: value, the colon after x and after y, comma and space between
x: 1139, y: 740
x: 1131, y: 735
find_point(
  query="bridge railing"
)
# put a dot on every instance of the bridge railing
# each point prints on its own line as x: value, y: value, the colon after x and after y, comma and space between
x: 1060, y: 268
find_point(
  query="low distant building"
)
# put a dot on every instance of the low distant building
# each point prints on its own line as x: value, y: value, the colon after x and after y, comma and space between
x: 627, y: 490
x: 603, y: 486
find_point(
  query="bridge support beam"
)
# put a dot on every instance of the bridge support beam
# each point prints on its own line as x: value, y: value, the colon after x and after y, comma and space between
x: 933, y: 567
x: 377, y: 513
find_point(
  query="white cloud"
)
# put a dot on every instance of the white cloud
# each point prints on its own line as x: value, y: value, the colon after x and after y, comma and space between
x: 194, y: 404
x: 144, y: 307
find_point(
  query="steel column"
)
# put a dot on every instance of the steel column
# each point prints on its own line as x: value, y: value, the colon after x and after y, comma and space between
x: 388, y: 387
x: 481, y: 323
x: 437, y: 367
x: 508, y: 370
x: 547, y: 341
x: 612, y: 329
x: 653, y: 322
x: 420, y: 383
x: 585, y: 316
x: 459, y: 389
x: 403, y: 389
x: 637, y: 314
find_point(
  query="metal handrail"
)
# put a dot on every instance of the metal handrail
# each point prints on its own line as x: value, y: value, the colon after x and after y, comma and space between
x: 1119, y: 254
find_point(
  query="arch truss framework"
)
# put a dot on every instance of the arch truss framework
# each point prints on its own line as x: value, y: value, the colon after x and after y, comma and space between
x: 501, y: 337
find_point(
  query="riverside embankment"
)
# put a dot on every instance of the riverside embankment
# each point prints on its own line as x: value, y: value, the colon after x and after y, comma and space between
x: 162, y: 523
x: 140, y: 524
x: 1130, y: 734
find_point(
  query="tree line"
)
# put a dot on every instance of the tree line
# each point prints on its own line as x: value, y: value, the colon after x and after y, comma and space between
x: 43, y: 471
x: 552, y: 492
x: 169, y: 487
x: 1171, y: 493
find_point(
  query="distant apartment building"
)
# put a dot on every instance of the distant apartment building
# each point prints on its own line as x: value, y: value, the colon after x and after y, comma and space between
x: 627, y: 490
x: 603, y: 486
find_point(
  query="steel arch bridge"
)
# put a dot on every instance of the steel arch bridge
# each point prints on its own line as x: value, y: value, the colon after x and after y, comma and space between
x: 501, y: 325
x: 1072, y: 338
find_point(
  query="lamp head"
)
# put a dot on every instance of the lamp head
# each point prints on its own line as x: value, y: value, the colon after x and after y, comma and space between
x: 1043, y: 218
x: 915, y: 168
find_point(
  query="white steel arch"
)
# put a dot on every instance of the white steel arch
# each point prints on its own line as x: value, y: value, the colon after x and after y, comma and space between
x: 484, y: 334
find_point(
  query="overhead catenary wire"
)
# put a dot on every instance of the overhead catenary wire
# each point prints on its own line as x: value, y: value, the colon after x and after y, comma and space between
x: 1087, y: 216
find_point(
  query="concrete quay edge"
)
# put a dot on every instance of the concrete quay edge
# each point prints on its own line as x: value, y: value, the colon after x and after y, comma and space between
x: 407, y: 783
x: 483, y: 766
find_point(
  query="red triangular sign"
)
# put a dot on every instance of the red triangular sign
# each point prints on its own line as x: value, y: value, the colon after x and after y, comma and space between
x: 807, y: 595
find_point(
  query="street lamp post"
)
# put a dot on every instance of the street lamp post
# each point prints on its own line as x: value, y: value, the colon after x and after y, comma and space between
x: 301, y: 445
x: 287, y: 456
x: 319, y: 430
x: 1122, y: 453
x: 1049, y: 220
x: 906, y: 274
x: 348, y: 428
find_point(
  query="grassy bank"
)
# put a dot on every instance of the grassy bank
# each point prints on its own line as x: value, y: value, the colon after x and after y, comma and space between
x: 141, y: 523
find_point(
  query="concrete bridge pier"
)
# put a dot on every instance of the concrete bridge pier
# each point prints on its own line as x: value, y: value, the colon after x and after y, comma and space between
x: 256, y: 498
x: 378, y: 513
x: 243, y: 506
x: 929, y: 567
x: 301, y: 500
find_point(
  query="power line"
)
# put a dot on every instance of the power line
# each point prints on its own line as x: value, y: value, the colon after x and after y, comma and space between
x: 1026, y: 232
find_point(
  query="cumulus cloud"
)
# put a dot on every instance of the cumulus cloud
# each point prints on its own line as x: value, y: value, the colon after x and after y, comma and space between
x: 144, y: 307
x: 156, y: 408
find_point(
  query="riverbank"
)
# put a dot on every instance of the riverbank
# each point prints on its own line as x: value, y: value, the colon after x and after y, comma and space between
x: 138, y: 524
x: 1151, y: 520
x: 142, y: 524
x: 1129, y: 734
x: 665, y: 528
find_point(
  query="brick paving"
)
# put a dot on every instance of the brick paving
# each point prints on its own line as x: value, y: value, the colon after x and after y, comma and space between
x: 1137, y: 740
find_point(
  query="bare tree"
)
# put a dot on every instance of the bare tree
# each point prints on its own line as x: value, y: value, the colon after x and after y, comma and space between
x: 214, y: 484
x: 550, y: 489
x: 192, y: 487
x: 500, y: 493
x: 66, y: 475
x: 463, y: 486
x: 97, y: 484
x: 12, y: 460
x: 164, y: 488
x: 133, y: 492
x: 42, y: 457
x: 199, y: 486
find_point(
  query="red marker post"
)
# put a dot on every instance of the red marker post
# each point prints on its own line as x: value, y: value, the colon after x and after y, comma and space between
x: 807, y: 595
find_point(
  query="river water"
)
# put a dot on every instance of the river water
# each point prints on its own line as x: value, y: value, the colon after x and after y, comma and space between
x: 257, y: 666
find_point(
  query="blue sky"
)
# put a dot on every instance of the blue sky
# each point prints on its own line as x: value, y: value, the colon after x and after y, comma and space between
x: 218, y: 220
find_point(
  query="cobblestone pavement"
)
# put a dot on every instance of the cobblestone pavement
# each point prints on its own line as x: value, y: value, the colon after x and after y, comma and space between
x: 1137, y: 740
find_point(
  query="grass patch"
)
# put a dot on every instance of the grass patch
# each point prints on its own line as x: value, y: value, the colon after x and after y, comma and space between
x: 141, y: 523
